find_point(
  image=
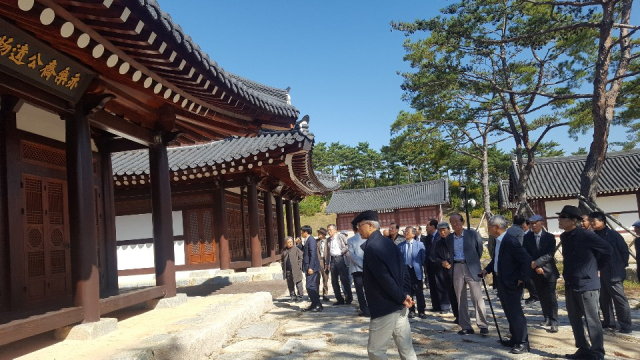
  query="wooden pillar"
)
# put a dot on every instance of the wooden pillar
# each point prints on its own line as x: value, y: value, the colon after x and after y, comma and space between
x: 268, y: 223
x: 280, y: 222
x: 254, y: 224
x: 162, y: 217
x: 11, y: 267
x: 396, y: 217
x: 110, y: 241
x: 243, y: 223
x: 296, y: 218
x: 82, y: 228
x: 221, y: 227
x: 289, y: 211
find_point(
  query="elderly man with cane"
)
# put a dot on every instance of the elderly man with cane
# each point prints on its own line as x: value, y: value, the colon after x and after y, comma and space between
x: 510, y: 268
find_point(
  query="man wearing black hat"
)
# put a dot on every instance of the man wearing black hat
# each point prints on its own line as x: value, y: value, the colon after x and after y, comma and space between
x: 541, y: 245
x: 584, y: 254
x: 612, y: 276
x: 387, y: 286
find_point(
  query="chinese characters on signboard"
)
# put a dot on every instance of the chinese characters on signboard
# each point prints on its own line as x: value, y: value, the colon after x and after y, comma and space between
x: 33, y: 61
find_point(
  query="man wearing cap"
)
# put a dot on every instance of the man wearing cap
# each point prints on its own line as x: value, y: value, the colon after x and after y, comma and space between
x: 584, y: 253
x: 387, y: 287
x: 612, y: 276
x: 443, y: 256
x: 510, y: 268
x: 636, y: 243
x: 541, y: 245
x: 356, y: 254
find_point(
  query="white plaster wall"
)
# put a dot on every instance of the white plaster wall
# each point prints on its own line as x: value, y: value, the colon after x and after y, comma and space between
x: 609, y: 204
x: 41, y: 122
x: 132, y: 227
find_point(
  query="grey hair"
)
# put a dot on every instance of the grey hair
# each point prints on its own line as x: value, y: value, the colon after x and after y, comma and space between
x: 498, y: 220
x: 332, y: 226
x: 375, y: 224
x: 288, y: 238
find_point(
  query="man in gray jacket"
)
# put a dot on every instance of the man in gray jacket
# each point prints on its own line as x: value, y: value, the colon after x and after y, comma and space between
x: 337, y: 257
x: 356, y: 254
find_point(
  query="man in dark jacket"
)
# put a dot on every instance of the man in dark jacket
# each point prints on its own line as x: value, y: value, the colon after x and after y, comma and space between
x: 444, y: 258
x: 510, y: 268
x: 387, y: 287
x: 311, y: 267
x: 292, y: 269
x: 433, y: 269
x: 636, y: 244
x: 541, y: 245
x: 584, y: 254
x: 612, y: 276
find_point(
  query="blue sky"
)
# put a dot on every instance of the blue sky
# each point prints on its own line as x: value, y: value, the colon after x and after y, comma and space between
x: 340, y: 58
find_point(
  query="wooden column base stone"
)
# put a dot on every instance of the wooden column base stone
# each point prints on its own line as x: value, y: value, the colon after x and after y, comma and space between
x: 87, y: 331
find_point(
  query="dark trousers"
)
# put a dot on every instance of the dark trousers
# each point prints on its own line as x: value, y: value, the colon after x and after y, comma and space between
x: 437, y: 287
x: 451, y: 292
x: 612, y: 295
x: 533, y: 292
x: 416, y: 290
x: 547, y: 296
x: 585, y: 304
x: 312, y: 289
x: 339, y: 273
x: 358, y: 280
x: 292, y: 286
x: 510, y: 301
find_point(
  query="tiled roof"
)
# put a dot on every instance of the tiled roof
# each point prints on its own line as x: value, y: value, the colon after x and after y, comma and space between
x: 209, y: 154
x: 503, y: 196
x: 390, y: 197
x: 268, y: 98
x: 560, y: 176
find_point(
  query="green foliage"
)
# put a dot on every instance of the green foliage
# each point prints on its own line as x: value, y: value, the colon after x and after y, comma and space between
x: 311, y: 205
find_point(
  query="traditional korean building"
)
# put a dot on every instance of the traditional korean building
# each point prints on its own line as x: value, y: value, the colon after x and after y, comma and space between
x: 83, y: 81
x: 406, y: 205
x: 555, y: 181
x: 234, y: 186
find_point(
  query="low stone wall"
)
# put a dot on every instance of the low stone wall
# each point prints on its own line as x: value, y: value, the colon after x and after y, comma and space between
x: 270, y: 272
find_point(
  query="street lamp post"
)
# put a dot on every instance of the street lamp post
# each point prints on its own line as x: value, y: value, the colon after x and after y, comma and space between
x: 463, y: 190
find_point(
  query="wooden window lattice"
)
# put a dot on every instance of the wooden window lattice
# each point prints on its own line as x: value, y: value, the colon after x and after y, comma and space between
x: 35, y: 264
x: 58, y: 261
x: 33, y: 203
x: 43, y: 155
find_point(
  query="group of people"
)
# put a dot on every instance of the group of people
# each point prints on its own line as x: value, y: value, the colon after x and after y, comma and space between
x: 329, y: 256
x: 388, y: 272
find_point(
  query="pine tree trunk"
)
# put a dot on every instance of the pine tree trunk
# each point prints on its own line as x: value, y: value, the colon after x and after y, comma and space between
x: 485, y: 179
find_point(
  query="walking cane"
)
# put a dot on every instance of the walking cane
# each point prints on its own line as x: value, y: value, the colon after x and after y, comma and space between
x: 491, y: 306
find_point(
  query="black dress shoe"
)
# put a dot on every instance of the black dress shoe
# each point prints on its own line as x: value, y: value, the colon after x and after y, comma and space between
x: 349, y: 301
x: 317, y: 309
x: 484, y: 331
x: 530, y: 301
x: 625, y: 331
x: 520, y: 349
x: 580, y: 354
x: 508, y: 343
x: 466, y: 332
x: 411, y: 315
x: 325, y: 298
x: 553, y: 328
x: 337, y: 303
x: 422, y: 316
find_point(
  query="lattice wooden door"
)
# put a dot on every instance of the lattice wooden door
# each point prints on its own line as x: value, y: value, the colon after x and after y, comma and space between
x: 47, y: 253
x: 199, y: 236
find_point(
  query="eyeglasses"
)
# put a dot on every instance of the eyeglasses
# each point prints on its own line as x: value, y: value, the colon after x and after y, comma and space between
x: 362, y: 224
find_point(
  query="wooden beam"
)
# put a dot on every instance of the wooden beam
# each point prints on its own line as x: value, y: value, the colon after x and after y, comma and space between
x: 130, y: 298
x: 221, y: 226
x: 296, y: 218
x: 121, y: 127
x: 268, y: 224
x: 280, y: 222
x: 289, y: 213
x: 34, y: 325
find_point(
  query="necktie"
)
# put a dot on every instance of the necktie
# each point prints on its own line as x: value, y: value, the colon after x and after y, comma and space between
x: 538, y: 241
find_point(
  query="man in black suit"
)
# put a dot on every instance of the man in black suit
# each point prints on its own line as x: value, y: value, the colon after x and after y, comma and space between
x: 541, y: 245
x: 433, y: 269
x: 311, y: 267
x: 444, y: 258
x: 510, y: 268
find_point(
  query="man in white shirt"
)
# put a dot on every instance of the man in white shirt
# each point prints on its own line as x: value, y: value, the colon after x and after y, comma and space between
x: 337, y: 258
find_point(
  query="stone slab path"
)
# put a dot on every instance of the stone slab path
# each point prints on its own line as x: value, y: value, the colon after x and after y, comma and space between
x: 337, y: 333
